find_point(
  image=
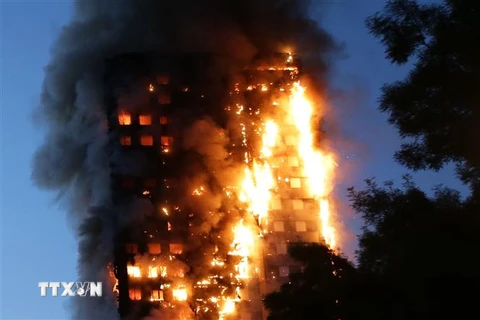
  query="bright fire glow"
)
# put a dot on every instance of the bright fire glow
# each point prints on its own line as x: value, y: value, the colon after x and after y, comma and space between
x: 242, y: 246
x: 180, y: 294
x: 317, y: 166
x: 134, y: 271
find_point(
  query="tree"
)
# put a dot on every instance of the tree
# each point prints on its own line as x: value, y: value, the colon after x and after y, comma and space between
x: 322, y: 290
x: 436, y: 107
x: 420, y: 251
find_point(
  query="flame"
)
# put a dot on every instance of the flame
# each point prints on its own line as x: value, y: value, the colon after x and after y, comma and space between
x: 180, y: 294
x: 317, y: 166
x: 134, y: 271
x: 199, y: 191
x: 228, y: 307
x: 259, y: 181
x: 242, y: 246
x: 152, y: 272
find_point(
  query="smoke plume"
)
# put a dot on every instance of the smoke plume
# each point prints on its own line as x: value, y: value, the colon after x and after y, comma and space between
x: 75, y: 159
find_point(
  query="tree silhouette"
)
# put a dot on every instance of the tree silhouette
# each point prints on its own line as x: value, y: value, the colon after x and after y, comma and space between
x: 435, y: 108
x: 420, y: 250
x: 322, y: 290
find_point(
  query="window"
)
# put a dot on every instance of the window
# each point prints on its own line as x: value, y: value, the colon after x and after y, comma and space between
x: 295, y: 183
x: 278, y: 226
x: 293, y: 161
x: 135, y: 294
x: 163, y: 79
x: 301, y: 226
x: 126, y: 140
x: 281, y: 248
x: 152, y: 272
x: 134, y: 271
x: 166, y: 141
x: 283, y: 272
x: 145, y: 119
x: 163, y: 120
x: 146, y: 140
x: 154, y: 248
x: 176, y: 248
x: 156, y: 295
x: 124, y: 119
x: 297, y: 204
x: 131, y: 248
x: 164, y: 98
x: 276, y: 203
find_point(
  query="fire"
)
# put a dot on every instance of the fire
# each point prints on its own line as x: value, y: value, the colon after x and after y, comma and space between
x: 180, y: 294
x: 317, y: 166
x: 134, y: 271
x: 228, y: 308
x: 242, y: 246
x: 152, y: 272
x: 199, y: 191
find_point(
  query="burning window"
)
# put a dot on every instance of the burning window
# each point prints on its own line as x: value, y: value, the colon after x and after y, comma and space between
x: 150, y: 183
x: 134, y: 271
x: 283, y: 272
x: 163, y: 120
x: 154, y: 248
x: 293, y: 161
x: 126, y: 140
x: 124, y: 119
x: 152, y: 272
x: 166, y: 141
x: 276, y: 203
x: 281, y: 248
x: 278, y: 226
x: 135, y: 294
x: 146, y: 140
x: 156, y: 295
x: 298, y: 204
x: 145, y: 119
x: 301, y: 226
x: 180, y: 294
x: 164, y: 98
x: 131, y: 248
x: 295, y: 183
x: 163, y: 79
x: 176, y: 248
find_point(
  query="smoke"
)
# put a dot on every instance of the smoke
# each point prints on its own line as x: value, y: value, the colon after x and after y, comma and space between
x: 75, y: 159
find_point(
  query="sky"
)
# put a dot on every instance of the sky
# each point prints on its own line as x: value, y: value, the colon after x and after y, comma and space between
x: 37, y: 243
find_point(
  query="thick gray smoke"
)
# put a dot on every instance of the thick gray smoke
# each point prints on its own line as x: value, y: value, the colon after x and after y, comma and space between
x: 74, y: 160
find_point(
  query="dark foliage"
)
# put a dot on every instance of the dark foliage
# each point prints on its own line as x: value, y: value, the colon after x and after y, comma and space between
x: 322, y: 290
x: 420, y: 249
x: 436, y: 107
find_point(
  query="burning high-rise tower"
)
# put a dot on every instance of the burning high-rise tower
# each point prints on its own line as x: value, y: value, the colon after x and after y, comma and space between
x: 213, y: 237
x: 187, y: 173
